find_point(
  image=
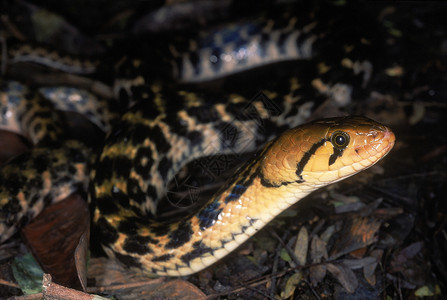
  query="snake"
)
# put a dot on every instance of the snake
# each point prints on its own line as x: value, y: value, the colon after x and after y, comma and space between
x: 299, y: 161
x: 151, y: 143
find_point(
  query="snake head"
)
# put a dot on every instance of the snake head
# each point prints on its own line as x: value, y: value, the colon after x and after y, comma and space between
x: 326, y: 151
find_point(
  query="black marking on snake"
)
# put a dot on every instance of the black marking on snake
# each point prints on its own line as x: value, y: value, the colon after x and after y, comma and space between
x: 216, y: 63
x: 14, y: 183
x: 198, y: 251
x: 270, y: 184
x: 141, y: 92
x: 103, y: 170
x: 76, y: 155
x: 246, y: 179
x: 159, y: 229
x: 143, y: 162
x: 208, y: 215
x: 157, y: 135
x: 151, y: 192
x: 179, y: 65
x: 194, y: 58
x: 33, y: 199
x: 122, y: 166
x: 228, y: 133
x: 300, y: 41
x: 195, y: 137
x: 203, y: 113
x: 265, y: 37
x: 337, y: 153
x: 251, y: 222
x: 242, y: 111
x: 235, y: 193
x: 141, y: 132
x: 12, y: 208
x: 128, y: 260
x: 161, y: 258
x: 281, y: 43
x: 107, y: 204
x: 178, y: 126
x: 307, y: 155
x: 138, y: 244
x: 134, y: 190
x: 107, y: 232
x: 164, y: 167
x: 130, y: 226
x: 180, y: 236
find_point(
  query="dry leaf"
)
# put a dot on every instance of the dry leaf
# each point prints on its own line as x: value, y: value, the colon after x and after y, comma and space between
x: 345, y: 276
x: 81, y: 256
x: 317, y: 274
x: 369, y: 270
x: 301, y: 246
x: 54, y: 235
x: 360, y: 233
x: 318, y: 250
x: 291, y: 284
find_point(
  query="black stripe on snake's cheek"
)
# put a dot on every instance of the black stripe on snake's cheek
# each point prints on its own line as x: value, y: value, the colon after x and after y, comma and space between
x: 337, y: 153
x: 180, y: 236
x: 198, y: 251
x: 307, y: 155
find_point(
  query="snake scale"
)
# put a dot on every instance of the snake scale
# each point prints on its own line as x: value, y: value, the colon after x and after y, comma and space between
x: 167, y: 128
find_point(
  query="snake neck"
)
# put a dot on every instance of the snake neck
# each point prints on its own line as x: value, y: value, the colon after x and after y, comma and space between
x: 242, y: 207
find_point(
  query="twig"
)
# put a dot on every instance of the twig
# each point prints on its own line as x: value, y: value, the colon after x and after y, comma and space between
x: 27, y: 297
x: 101, y: 289
x: 53, y: 290
x: 8, y: 283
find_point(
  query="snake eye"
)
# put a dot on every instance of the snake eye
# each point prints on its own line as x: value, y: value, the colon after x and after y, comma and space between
x: 340, y: 139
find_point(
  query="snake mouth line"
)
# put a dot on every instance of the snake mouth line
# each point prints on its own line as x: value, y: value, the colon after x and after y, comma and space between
x: 389, y: 135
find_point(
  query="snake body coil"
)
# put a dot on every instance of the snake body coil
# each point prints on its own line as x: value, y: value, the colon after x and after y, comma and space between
x: 153, y: 141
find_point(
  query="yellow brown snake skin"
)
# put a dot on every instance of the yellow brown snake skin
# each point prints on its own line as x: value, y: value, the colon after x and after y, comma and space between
x: 287, y: 169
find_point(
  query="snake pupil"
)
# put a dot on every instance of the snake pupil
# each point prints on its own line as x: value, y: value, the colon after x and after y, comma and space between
x: 340, y: 139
